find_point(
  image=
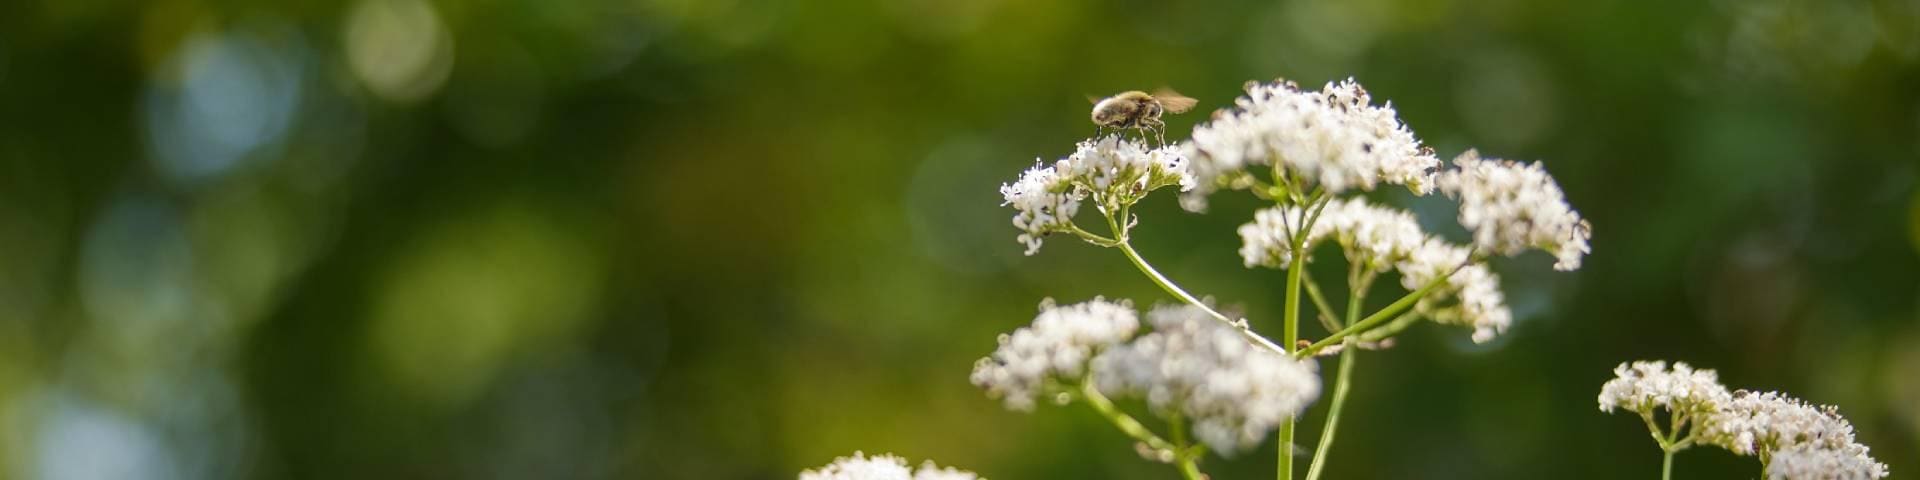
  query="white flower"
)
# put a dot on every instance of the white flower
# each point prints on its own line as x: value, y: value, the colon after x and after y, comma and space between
x: 1112, y: 170
x: 929, y: 471
x: 1373, y: 235
x: 1124, y: 168
x: 1469, y: 297
x: 1794, y: 440
x: 1045, y: 201
x: 1266, y: 240
x: 1056, y: 347
x: 1642, y: 387
x: 1768, y: 422
x: 1807, y: 463
x: 1232, y: 391
x: 882, y: 467
x: 1512, y: 206
x: 1334, y: 138
x: 1381, y: 238
x: 861, y: 467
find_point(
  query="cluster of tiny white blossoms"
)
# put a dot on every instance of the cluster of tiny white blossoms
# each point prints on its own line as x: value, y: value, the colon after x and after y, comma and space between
x: 1511, y: 206
x: 1055, y: 348
x: 1046, y: 203
x: 1468, y: 294
x: 883, y: 467
x: 1809, y: 463
x: 1794, y: 440
x: 1763, y: 423
x: 1380, y: 238
x: 1334, y: 137
x: 1336, y: 140
x: 1643, y: 387
x: 1233, y: 391
x: 1113, y: 171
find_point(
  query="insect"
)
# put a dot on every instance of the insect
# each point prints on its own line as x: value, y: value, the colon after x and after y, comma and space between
x: 1140, y: 111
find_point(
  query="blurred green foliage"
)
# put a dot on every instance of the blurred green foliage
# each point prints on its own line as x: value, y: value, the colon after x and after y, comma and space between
x: 738, y: 238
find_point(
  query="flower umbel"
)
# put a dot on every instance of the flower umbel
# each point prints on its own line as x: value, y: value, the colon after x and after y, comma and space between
x: 1334, y: 138
x: 1793, y: 439
x: 883, y: 467
x: 1380, y: 238
x: 1191, y: 365
x: 1056, y: 347
x: 1808, y: 463
x: 1469, y: 296
x: 1763, y: 423
x: 1512, y: 206
x: 1643, y: 387
x: 1115, y: 172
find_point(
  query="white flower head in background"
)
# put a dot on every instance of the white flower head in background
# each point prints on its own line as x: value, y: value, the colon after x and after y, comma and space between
x: 1643, y: 387
x: 1807, y: 463
x: 883, y: 467
x: 1794, y: 439
x: 1762, y: 423
x: 1233, y: 391
x: 1511, y: 206
x: 1056, y: 347
x: 1334, y: 138
x: 1113, y: 171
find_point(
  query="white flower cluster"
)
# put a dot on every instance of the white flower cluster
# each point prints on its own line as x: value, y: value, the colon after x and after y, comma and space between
x: 1233, y: 391
x: 1056, y: 347
x: 1765, y: 423
x: 1795, y: 440
x: 1808, y: 463
x: 1267, y: 241
x: 1045, y: 201
x: 1643, y: 387
x: 1333, y: 137
x: 883, y: 467
x: 1124, y: 168
x: 1112, y: 170
x: 1381, y: 238
x: 1470, y: 295
x: 1512, y: 206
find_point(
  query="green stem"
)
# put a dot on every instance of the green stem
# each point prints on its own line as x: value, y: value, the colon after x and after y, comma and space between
x: 1342, y: 380
x: 1340, y: 388
x: 1184, y: 457
x: 1324, y: 309
x: 1291, y: 328
x: 1377, y: 318
x: 1392, y: 328
x: 1291, y: 334
x: 1190, y: 470
x: 1090, y: 237
x: 1124, y: 422
x: 1654, y: 430
x: 1666, y: 467
x: 1177, y: 292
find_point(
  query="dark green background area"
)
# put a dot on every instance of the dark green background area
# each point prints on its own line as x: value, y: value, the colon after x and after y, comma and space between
x: 738, y: 238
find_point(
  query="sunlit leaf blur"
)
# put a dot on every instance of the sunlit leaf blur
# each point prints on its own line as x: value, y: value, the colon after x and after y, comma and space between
x: 739, y: 238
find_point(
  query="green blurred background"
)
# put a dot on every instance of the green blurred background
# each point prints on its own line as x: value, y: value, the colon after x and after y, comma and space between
x: 738, y: 238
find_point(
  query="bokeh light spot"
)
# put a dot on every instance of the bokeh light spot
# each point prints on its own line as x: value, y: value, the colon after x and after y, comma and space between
x: 469, y: 296
x: 136, y: 274
x: 398, y: 48
x: 83, y: 442
x: 236, y: 93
